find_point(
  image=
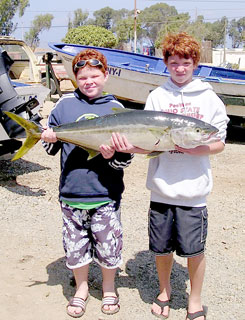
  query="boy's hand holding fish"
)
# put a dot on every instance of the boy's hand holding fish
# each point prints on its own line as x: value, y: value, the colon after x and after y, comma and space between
x: 48, y: 135
x: 121, y: 144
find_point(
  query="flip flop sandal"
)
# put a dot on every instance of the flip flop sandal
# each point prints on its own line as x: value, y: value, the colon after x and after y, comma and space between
x: 194, y: 315
x: 161, y: 304
x: 77, y: 303
x: 110, y: 301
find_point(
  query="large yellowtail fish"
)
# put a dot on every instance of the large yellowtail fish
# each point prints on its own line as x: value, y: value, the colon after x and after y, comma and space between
x: 150, y: 130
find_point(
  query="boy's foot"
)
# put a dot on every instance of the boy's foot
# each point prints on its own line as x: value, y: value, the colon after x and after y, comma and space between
x: 110, y: 304
x: 199, y: 315
x: 77, y: 306
x: 196, y: 311
x: 160, y: 308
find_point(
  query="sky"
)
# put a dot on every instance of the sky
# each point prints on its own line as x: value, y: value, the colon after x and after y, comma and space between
x: 212, y: 10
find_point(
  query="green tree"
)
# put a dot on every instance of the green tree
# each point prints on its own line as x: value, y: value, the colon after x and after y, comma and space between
x: 8, y: 9
x: 104, y: 17
x: 153, y: 19
x: 216, y: 32
x: 199, y: 29
x: 91, y: 36
x: 80, y: 18
x: 237, y: 32
x: 125, y: 30
x: 120, y: 16
x: 122, y: 24
x: 174, y: 24
x: 22, y: 6
x: 39, y: 24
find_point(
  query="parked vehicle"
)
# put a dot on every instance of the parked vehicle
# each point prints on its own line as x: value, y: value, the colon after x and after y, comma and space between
x: 21, y: 92
x: 24, y: 69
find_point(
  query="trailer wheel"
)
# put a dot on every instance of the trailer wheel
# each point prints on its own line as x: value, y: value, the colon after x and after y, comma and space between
x: 53, y: 89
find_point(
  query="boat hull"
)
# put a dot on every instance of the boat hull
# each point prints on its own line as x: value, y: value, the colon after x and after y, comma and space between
x: 134, y: 76
x: 123, y: 83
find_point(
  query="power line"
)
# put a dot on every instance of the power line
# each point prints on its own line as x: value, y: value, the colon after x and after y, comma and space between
x: 184, y: 1
x: 55, y: 11
x: 47, y: 11
x: 203, y: 9
x: 22, y: 27
x: 148, y: 22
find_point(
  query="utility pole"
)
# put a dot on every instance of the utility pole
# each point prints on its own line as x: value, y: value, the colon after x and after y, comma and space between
x: 224, y: 58
x: 135, y: 26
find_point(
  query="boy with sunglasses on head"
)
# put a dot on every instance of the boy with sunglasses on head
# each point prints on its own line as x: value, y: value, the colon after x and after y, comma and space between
x: 89, y: 191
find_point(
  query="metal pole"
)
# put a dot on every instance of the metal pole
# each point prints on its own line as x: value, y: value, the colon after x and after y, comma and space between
x: 135, y: 26
x: 224, y: 58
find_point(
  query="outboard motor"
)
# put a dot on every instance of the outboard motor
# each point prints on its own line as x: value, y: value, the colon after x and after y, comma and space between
x: 11, y: 101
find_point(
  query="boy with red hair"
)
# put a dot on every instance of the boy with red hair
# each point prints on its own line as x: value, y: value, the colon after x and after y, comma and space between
x: 90, y: 190
x: 181, y: 179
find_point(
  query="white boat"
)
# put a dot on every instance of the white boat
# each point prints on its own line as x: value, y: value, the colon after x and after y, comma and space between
x: 133, y: 76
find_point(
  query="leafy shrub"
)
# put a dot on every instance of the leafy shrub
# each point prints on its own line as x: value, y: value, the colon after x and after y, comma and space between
x: 91, y: 36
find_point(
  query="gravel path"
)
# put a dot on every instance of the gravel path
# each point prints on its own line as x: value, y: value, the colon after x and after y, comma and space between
x: 35, y: 283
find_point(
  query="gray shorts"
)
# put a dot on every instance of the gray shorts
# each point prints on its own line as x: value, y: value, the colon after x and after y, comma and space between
x: 181, y: 229
x: 94, y: 234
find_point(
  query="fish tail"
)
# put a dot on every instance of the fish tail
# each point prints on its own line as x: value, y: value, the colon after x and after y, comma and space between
x: 33, y: 134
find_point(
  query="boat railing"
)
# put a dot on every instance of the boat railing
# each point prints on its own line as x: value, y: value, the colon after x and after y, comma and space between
x: 142, y: 68
x: 215, y: 79
x: 128, y: 65
x: 222, y: 80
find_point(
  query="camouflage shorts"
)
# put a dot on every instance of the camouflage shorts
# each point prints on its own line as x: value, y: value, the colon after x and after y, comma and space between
x: 94, y: 234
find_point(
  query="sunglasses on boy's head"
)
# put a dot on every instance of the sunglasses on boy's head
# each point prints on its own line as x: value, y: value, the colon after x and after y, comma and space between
x: 91, y: 62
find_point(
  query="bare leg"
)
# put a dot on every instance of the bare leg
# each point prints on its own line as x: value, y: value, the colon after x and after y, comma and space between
x: 108, y: 286
x: 164, y: 267
x: 81, y: 277
x: 196, y: 268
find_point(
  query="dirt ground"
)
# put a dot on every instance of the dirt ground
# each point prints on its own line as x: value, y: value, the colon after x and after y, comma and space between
x: 35, y: 284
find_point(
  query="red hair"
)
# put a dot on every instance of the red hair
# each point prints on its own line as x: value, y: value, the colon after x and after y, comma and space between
x: 182, y: 45
x: 90, y: 54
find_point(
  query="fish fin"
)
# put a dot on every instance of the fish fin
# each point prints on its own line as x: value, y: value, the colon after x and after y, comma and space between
x: 33, y: 134
x: 160, y: 132
x: 154, y: 154
x: 91, y: 153
x: 121, y: 110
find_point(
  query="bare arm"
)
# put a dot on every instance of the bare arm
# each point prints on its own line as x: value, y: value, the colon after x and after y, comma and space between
x: 212, y: 148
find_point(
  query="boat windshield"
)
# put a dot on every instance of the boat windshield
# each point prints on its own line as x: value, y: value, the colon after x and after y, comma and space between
x: 15, y: 51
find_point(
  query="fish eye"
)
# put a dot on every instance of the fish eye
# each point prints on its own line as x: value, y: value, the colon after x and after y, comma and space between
x: 198, y: 130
